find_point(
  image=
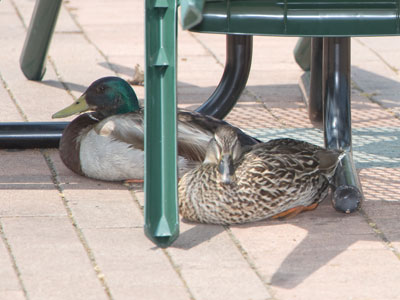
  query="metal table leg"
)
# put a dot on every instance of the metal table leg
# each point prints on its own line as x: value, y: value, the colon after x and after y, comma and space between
x: 347, y: 195
x: 239, y: 50
x: 37, y: 42
x: 315, y: 99
x: 160, y: 143
x: 302, y: 53
x: 23, y: 135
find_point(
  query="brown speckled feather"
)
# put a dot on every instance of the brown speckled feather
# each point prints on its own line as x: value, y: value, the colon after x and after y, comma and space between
x: 197, y: 132
x: 272, y: 178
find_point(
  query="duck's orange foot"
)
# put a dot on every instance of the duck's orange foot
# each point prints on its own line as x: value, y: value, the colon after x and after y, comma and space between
x: 127, y: 181
x: 292, y: 212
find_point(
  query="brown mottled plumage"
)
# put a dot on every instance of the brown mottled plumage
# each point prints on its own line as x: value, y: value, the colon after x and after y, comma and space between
x: 236, y: 185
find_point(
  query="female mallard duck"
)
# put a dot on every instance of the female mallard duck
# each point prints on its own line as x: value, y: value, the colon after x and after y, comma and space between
x: 107, y: 143
x: 237, y: 184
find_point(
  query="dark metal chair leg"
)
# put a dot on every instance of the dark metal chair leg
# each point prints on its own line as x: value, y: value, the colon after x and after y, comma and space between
x: 302, y: 52
x: 347, y: 195
x: 237, y: 68
x: 315, y: 98
x: 38, y: 38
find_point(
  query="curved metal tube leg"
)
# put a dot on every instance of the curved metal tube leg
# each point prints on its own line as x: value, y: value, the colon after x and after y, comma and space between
x: 315, y: 99
x: 237, y: 68
x: 347, y: 195
x: 38, y: 38
x: 302, y: 53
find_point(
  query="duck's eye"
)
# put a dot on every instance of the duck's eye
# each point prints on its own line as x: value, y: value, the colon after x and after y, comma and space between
x: 118, y: 100
x: 101, y: 89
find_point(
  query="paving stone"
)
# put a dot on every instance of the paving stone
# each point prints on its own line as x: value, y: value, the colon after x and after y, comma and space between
x: 97, y: 204
x: 133, y: 267
x: 67, y: 51
x: 11, y: 295
x: 317, y: 254
x: 51, y: 259
x: 211, y: 264
x: 9, y: 112
x: 9, y: 285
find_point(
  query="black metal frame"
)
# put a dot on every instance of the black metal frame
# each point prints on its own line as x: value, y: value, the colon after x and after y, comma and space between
x: 24, y: 135
x: 315, y: 97
x: 330, y: 89
x: 239, y: 49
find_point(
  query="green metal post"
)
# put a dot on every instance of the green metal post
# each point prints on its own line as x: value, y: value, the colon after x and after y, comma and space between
x: 161, y: 206
x: 38, y: 38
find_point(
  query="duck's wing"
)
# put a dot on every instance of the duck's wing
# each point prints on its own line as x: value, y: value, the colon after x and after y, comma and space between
x: 210, y: 124
x: 288, y: 145
x: 125, y: 128
x: 194, y: 134
x: 303, y: 153
x: 195, y: 131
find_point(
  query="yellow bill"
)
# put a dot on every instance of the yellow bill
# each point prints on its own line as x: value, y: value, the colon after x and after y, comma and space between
x: 78, y: 106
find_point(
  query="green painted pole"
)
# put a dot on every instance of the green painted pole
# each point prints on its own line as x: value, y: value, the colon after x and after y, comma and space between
x: 160, y: 183
x: 37, y: 42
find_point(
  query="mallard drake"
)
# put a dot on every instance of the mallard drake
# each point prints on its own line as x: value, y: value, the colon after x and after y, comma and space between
x: 238, y: 184
x: 107, y: 143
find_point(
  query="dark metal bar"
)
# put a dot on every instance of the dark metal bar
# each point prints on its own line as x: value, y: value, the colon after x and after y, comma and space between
x: 347, y: 195
x: 38, y: 38
x: 315, y: 99
x: 18, y: 135
x: 302, y: 52
x: 237, y: 68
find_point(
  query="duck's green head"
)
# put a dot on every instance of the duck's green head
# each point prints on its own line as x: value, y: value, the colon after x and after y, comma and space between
x: 107, y: 96
x: 224, y: 150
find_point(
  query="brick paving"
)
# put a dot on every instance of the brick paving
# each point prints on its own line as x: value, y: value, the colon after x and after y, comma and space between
x: 63, y: 236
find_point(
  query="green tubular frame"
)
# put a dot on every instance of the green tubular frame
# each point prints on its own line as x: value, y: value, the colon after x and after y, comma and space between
x: 160, y: 184
x: 297, y: 18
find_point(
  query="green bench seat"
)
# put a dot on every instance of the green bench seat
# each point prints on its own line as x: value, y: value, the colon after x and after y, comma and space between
x: 293, y: 18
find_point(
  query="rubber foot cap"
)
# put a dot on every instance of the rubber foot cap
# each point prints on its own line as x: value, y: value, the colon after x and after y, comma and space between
x: 347, y: 198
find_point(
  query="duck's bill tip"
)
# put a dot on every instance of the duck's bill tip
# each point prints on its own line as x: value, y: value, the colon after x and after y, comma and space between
x: 78, y: 106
